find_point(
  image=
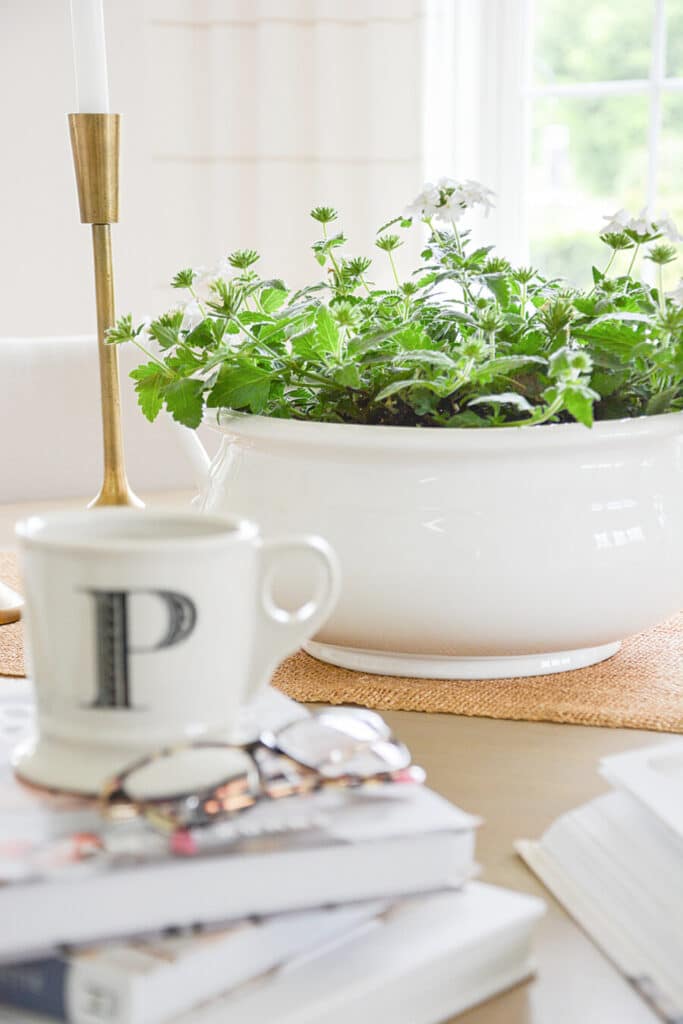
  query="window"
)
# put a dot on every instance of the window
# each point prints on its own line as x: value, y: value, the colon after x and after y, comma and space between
x: 605, y: 107
x: 568, y: 109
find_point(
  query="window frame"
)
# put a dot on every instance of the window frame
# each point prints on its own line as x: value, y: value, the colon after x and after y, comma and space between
x: 480, y: 97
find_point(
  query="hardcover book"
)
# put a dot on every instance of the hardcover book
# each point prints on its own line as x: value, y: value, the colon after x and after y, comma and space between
x: 304, y: 852
x: 153, y: 980
x: 424, y: 960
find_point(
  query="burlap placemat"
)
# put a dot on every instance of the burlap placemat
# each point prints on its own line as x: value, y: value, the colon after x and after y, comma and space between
x: 641, y: 687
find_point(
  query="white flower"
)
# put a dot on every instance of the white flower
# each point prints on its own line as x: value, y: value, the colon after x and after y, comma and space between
x: 192, y: 316
x: 205, y: 275
x: 448, y: 200
x: 616, y: 223
x: 452, y: 208
x: 643, y: 223
x: 677, y: 293
x: 473, y: 193
x: 426, y: 203
x: 666, y: 226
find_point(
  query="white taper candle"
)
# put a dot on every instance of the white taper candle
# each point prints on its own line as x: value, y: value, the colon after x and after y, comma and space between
x: 90, y: 57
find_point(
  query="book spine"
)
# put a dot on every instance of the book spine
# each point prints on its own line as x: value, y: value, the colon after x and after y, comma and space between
x: 37, y: 985
x: 75, y: 992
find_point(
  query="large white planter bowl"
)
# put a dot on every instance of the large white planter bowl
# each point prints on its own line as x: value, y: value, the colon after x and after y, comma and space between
x: 471, y: 553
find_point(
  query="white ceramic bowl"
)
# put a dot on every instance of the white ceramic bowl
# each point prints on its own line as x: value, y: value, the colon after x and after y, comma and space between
x: 471, y: 553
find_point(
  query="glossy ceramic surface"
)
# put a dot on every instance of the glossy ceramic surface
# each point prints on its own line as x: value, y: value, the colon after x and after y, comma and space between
x: 148, y: 629
x: 470, y: 543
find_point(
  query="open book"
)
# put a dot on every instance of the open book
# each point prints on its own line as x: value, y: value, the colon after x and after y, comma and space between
x: 616, y: 864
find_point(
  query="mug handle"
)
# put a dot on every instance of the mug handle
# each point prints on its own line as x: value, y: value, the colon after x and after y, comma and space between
x: 281, y: 632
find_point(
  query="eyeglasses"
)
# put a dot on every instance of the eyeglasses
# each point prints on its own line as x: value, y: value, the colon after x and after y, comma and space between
x: 196, y: 784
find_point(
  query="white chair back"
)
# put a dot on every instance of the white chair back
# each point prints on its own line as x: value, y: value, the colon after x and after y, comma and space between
x: 50, y: 431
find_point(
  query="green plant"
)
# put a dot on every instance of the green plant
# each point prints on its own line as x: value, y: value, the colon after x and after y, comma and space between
x: 466, y: 341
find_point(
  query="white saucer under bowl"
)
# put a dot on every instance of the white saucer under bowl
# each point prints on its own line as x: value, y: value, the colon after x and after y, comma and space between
x: 421, y: 666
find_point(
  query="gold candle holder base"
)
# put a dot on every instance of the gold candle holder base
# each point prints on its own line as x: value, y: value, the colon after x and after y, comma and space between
x: 10, y: 605
x: 95, y: 145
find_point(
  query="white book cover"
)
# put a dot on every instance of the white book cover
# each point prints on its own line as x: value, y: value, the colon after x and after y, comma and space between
x: 618, y: 872
x: 654, y: 775
x: 151, y: 981
x: 333, y: 846
x: 425, y: 960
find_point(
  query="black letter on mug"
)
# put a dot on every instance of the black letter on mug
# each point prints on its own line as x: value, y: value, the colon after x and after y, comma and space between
x: 113, y: 647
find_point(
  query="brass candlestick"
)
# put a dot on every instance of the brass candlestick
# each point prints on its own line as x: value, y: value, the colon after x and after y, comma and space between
x: 95, y: 145
x: 10, y: 605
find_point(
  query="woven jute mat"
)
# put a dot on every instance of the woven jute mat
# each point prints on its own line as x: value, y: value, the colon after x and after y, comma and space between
x: 641, y: 687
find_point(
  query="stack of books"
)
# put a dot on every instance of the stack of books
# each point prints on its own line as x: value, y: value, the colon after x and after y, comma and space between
x: 337, y: 905
x: 616, y: 864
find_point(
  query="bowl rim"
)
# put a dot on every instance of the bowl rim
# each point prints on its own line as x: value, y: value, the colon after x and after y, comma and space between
x: 274, y: 430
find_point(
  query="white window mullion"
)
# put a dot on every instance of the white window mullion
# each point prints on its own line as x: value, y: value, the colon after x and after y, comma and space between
x: 657, y: 76
x: 617, y: 87
x: 505, y: 136
x: 477, y: 107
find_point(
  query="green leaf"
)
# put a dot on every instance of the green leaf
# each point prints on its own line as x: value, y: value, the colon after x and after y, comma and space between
x: 586, y: 305
x: 122, y: 331
x: 579, y: 403
x: 507, y: 398
x: 165, y: 330
x: 500, y: 288
x: 150, y: 384
x: 324, y: 214
x: 614, y: 336
x: 607, y: 383
x: 348, y: 376
x: 432, y: 358
x: 184, y: 278
x: 242, y: 259
x: 185, y: 361
x: 423, y: 400
x: 184, y: 401
x: 327, y: 331
x: 661, y: 402
x: 304, y: 346
x: 201, y: 336
x: 619, y: 316
x: 467, y: 418
x: 272, y: 298
x: 248, y: 318
x: 323, y: 247
x: 241, y: 385
x: 413, y: 338
x: 401, y: 385
x: 508, y: 364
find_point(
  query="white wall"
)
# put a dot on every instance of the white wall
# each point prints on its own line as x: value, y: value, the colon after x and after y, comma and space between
x: 45, y: 261
x: 238, y: 117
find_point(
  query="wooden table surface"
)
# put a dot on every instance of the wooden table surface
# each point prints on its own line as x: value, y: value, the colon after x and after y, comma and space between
x: 518, y: 776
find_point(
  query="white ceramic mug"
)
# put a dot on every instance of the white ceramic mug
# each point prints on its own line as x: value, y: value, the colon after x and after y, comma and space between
x: 147, y: 629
